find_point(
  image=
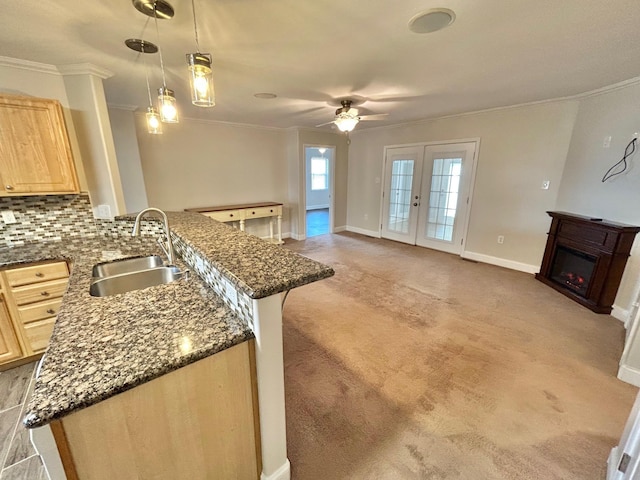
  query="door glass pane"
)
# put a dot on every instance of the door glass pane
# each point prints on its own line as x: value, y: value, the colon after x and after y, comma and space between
x: 445, y: 182
x: 400, y: 196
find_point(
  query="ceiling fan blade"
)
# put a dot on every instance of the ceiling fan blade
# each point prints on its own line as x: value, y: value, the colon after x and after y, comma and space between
x: 323, y: 124
x: 378, y: 116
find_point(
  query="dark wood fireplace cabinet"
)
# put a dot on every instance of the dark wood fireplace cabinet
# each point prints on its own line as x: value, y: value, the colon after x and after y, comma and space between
x: 585, y: 257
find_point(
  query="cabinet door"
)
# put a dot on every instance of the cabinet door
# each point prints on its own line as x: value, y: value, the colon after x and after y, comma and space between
x: 35, y: 156
x: 9, y: 347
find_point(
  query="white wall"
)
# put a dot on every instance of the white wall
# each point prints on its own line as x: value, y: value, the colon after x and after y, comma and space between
x: 128, y: 155
x: 615, y: 114
x: 199, y: 164
x: 91, y: 119
x: 519, y: 148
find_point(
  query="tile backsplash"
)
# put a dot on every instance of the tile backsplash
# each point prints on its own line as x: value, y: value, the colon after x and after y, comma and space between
x: 52, y: 217
x: 47, y: 217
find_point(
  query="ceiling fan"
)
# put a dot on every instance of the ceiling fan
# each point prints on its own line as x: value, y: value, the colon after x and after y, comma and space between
x: 347, y: 117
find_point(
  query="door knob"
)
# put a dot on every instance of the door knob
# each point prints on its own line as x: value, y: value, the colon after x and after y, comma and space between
x: 415, y: 204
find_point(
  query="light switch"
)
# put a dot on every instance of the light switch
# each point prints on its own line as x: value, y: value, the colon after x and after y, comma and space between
x: 8, y: 216
x: 104, y: 211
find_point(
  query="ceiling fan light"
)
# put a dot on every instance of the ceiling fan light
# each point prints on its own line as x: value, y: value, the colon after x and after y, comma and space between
x: 154, y: 124
x: 167, y: 105
x: 345, y: 122
x: 201, y: 79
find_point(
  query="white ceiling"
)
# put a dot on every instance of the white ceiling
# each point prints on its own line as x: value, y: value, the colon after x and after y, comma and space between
x: 312, y: 53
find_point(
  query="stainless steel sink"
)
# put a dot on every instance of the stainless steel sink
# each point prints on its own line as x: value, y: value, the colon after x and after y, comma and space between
x: 126, y: 265
x: 126, y: 282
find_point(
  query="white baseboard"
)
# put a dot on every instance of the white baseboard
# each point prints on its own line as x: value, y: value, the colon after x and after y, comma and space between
x: 612, y: 463
x: 629, y: 374
x: 501, y: 262
x: 362, y: 231
x: 283, y: 473
x: 343, y: 228
x: 621, y: 314
x: 295, y: 236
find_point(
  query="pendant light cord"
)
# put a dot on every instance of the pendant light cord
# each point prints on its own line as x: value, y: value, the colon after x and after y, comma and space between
x: 155, y: 18
x: 195, y: 25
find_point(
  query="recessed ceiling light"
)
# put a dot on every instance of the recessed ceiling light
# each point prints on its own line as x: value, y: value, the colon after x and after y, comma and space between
x: 265, y: 96
x: 431, y: 20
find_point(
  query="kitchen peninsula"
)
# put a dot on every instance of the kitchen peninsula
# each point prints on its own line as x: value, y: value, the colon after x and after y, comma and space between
x: 103, y: 349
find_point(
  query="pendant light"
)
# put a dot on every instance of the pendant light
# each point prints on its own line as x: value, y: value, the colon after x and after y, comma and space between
x: 166, y: 99
x: 154, y: 125
x: 200, y: 73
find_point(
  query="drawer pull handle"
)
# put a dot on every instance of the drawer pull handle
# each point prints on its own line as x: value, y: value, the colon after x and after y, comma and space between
x: 271, y: 210
x: 9, y: 187
x: 39, y: 274
x: 231, y: 214
x: 253, y: 213
x: 44, y: 294
x: 51, y: 311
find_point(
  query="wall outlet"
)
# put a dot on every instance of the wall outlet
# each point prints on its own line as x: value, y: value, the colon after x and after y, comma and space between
x: 500, y: 239
x: 8, y: 216
x: 545, y: 184
x: 104, y: 211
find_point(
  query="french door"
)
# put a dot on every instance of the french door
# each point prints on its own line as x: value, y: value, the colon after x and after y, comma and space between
x: 426, y: 194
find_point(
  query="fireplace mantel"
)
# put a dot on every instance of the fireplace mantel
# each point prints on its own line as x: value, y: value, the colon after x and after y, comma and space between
x: 585, y: 257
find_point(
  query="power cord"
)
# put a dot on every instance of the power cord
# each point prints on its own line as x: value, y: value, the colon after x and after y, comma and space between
x: 611, y: 172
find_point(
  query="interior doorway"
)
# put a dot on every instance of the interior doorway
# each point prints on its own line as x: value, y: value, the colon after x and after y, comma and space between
x: 319, y: 161
x: 427, y: 190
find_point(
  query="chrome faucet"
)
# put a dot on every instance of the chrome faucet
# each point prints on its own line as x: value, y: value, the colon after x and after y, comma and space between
x: 168, y: 250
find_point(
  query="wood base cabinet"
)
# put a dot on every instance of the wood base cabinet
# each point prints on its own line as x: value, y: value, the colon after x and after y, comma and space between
x: 32, y: 295
x: 35, y: 155
x: 9, y: 347
x: 200, y: 421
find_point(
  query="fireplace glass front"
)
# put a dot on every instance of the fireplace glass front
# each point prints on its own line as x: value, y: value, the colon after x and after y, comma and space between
x: 572, y: 269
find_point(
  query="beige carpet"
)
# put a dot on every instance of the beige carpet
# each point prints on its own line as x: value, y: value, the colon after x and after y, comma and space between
x: 415, y: 364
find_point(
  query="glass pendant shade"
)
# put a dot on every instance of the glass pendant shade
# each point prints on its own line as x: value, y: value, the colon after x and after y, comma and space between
x: 154, y: 124
x: 167, y: 105
x: 201, y: 79
x: 346, y: 123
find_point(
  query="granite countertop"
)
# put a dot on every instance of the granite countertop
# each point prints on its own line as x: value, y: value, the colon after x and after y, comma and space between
x: 255, y: 267
x: 103, y: 346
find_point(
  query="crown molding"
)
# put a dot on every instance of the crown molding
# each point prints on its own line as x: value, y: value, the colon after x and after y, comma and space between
x: 85, y: 69
x: 73, y: 69
x: 28, y: 65
x: 220, y: 122
x: 130, y: 108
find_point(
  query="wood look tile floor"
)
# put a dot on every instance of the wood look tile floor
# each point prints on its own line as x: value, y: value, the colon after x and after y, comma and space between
x: 18, y: 459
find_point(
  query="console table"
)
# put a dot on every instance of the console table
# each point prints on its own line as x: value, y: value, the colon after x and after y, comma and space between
x: 247, y: 211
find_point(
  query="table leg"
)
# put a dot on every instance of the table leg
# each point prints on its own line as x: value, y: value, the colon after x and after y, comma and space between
x: 271, y: 228
x: 242, y: 225
x: 279, y: 228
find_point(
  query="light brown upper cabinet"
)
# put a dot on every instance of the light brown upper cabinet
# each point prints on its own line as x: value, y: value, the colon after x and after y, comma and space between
x: 35, y: 156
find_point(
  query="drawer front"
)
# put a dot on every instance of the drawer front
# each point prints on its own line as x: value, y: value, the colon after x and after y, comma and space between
x: 37, y: 273
x: 263, y: 212
x: 40, y: 291
x: 39, y: 311
x: 225, y: 216
x: 38, y: 334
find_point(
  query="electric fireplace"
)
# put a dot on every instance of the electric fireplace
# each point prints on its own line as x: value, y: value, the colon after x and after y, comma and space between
x: 585, y: 257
